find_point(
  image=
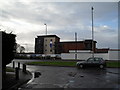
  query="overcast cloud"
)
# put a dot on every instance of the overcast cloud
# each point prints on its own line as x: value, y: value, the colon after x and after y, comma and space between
x: 26, y: 20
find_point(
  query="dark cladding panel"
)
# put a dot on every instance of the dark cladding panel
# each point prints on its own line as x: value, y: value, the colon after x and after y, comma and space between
x: 58, y: 48
x: 39, y: 45
x: 36, y: 45
x: 88, y: 44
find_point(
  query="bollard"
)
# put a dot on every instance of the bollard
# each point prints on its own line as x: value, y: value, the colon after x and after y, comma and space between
x: 18, y: 65
x: 17, y: 73
x: 24, y: 68
x: 13, y: 64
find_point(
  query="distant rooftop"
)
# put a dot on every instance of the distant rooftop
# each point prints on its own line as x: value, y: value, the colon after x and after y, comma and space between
x: 87, y: 40
x: 48, y: 36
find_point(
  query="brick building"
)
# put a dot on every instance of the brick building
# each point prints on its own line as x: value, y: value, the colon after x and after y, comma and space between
x: 46, y: 44
x: 79, y: 45
x: 50, y: 44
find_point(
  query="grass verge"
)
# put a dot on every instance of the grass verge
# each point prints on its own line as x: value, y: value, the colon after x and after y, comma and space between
x: 53, y: 63
x: 9, y: 69
x: 115, y: 64
x: 70, y: 63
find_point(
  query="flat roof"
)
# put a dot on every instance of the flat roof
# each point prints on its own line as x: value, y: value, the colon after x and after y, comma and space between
x: 75, y: 41
x: 72, y: 42
x: 48, y: 36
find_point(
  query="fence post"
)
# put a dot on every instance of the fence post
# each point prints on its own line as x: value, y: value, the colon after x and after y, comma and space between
x: 18, y: 65
x: 13, y: 64
x: 24, y: 68
x: 17, y: 73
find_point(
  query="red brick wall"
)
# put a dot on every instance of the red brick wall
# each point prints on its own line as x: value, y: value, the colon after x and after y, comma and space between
x: 72, y: 46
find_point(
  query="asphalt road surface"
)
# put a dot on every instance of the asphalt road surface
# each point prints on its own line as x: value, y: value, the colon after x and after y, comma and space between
x: 71, y: 77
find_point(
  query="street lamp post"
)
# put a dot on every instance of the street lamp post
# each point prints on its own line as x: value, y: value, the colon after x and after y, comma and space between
x: 26, y: 47
x: 76, y: 46
x: 92, y: 34
x: 46, y: 28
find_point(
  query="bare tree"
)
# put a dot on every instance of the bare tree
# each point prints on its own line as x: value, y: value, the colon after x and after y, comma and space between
x: 22, y: 49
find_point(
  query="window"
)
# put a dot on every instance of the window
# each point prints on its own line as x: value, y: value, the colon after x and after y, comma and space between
x: 45, y: 50
x: 90, y: 60
x: 50, y: 39
x: 50, y: 50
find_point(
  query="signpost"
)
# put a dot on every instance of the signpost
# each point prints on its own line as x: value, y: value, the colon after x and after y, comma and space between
x: 0, y: 60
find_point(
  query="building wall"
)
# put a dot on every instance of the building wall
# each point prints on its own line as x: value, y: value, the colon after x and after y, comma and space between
x: 114, y: 54
x: 72, y: 46
x: 39, y: 45
x: 47, y: 48
x: 42, y: 44
x: 88, y: 45
x: 83, y: 56
x: 111, y: 55
x: 79, y: 45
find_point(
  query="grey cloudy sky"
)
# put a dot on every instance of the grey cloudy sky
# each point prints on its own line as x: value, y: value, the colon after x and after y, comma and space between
x: 26, y: 20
